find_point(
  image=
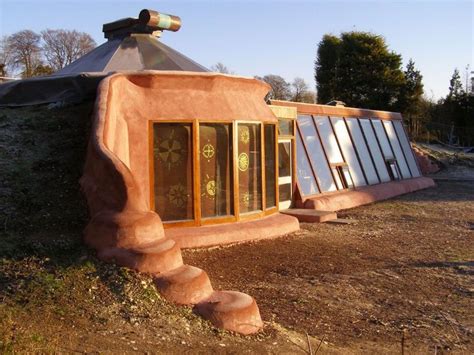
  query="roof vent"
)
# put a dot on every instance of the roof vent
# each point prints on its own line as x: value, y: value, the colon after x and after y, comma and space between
x: 336, y: 103
x: 148, y: 22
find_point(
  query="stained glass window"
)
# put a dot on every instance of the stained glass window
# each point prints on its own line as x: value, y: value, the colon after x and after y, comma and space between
x: 270, y: 166
x: 216, y: 169
x: 173, y: 162
x: 249, y: 166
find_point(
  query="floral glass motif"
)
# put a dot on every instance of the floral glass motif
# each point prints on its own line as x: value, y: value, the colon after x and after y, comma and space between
x: 216, y: 169
x: 249, y: 164
x: 173, y: 183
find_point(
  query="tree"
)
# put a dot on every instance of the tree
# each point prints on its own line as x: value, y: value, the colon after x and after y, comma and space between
x: 280, y: 87
x: 5, y: 56
x: 24, y: 50
x: 455, y: 85
x: 62, y: 47
x: 299, y: 89
x: 326, y: 68
x: 410, y: 100
x: 221, y: 68
x: 358, y: 68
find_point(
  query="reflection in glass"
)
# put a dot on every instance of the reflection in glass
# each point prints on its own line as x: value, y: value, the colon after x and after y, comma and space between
x: 305, y: 176
x: 374, y: 149
x: 249, y: 166
x: 285, y: 127
x: 270, y: 166
x: 216, y: 169
x: 173, y: 183
x: 316, y: 154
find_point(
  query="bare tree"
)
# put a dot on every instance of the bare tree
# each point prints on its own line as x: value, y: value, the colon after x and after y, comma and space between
x: 299, y: 89
x: 62, y: 47
x: 25, y: 51
x: 5, y: 56
x: 280, y: 87
x: 221, y: 68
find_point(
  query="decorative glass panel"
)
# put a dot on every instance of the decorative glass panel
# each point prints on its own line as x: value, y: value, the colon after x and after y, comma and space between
x: 216, y: 169
x: 173, y: 171
x: 306, y: 179
x: 270, y: 166
x: 375, y: 150
x: 363, y: 151
x: 249, y: 165
x: 397, y: 149
x: 349, y: 152
x: 316, y: 154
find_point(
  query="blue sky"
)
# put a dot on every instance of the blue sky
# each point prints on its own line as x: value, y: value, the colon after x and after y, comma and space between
x: 278, y: 37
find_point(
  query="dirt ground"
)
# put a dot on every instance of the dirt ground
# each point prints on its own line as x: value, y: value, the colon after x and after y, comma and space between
x: 401, y: 273
x: 404, y: 269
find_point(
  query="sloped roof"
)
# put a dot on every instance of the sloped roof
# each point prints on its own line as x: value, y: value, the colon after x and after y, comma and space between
x: 134, y: 52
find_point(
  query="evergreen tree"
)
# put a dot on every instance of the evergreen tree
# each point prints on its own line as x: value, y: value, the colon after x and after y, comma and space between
x: 359, y: 69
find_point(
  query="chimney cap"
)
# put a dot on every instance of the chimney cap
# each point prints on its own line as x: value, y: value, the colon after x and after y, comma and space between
x: 148, y: 22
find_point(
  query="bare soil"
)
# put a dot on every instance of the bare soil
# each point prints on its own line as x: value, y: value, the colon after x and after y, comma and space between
x: 403, y: 271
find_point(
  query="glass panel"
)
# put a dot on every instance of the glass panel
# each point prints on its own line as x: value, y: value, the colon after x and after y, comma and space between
x: 349, y: 153
x: 382, y: 137
x: 249, y: 164
x: 347, y: 177
x: 285, y: 127
x: 329, y: 140
x: 316, y: 154
x: 305, y: 176
x: 397, y: 149
x: 216, y: 169
x: 270, y: 166
x: 285, y: 192
x: 406, y: 148
x: 173, y: 169
x: 375, y: 150
x: 284, y: 159
x: 363, y: 151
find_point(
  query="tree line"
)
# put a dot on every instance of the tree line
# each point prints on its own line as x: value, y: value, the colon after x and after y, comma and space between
x: 359, y: 69
x: 298, y: 90
x: 29, y: 54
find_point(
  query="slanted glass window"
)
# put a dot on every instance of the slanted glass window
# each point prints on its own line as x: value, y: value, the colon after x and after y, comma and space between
x: 173, y: 171
x: 382, y: 137
x: 361, y: 147
x: 348, y: 149
x: 270, y: 166
x: 415, y: 172
x: 249, y: 166
x: 397, y: 149
x: 316, y: 154
x: 375, y: 150
x: 216, y: 169
x: 306, y: 179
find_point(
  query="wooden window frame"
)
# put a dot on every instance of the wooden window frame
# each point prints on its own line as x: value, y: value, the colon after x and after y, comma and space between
x: 198, y: 220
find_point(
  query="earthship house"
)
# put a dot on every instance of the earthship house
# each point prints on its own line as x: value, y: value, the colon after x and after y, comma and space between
x: 180, y: 157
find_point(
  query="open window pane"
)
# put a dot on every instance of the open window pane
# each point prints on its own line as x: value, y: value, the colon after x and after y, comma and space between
x: 345, y: 142
x: 216, y: 169
x: 397, y: 149
x: 173, y: 171
x: 270, y: 166
x: 249, y: 165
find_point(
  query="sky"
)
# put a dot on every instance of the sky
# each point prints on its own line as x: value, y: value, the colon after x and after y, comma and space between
x: 277, y: 37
